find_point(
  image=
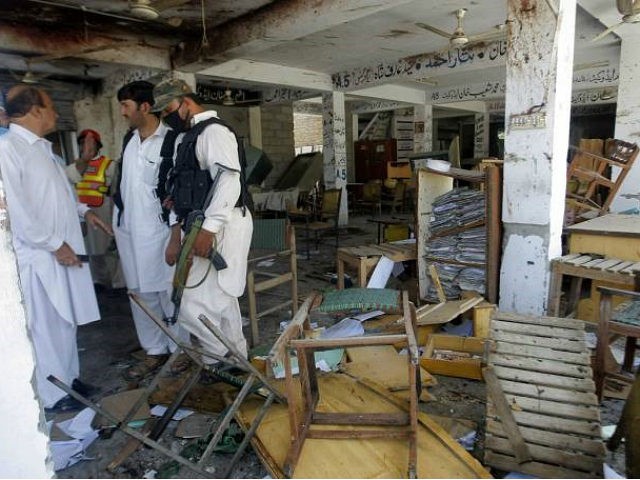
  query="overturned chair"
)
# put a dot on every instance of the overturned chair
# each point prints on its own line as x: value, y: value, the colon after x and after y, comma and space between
x: 250, y: 382
x: 305, y: 421
x: 278, y: 237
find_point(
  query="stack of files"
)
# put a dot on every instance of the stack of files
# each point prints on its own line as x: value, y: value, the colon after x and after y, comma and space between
x: 472, y: 279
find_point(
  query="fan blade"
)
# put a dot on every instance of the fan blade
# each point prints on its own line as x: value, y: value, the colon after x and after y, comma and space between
x: 435, y: 30
x: 490, y: 35
x: 606, y: 32
x: 162, y: 5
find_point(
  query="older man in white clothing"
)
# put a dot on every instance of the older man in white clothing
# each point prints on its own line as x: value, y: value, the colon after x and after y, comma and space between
x: 44, y: 213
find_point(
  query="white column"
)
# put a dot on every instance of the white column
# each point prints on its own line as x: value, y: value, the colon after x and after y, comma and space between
x: 23, y: 438
x: 537, y: 111
x: 423, y: 128
x: 481, y: 136
x: 628, y: 110
x: 335, y: 149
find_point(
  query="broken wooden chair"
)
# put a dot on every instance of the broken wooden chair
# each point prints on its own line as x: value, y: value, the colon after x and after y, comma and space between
x: 278, y: 237
x: 304, y: 419
x: 251, y: 382
x: 625, y: 321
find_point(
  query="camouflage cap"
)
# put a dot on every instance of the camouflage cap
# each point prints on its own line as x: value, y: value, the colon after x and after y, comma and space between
x: 168, y: 90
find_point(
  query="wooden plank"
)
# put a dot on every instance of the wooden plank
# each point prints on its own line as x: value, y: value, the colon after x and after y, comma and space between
x: 632, y: 268
x: 549, y: 393
x: 516, y: 441
x: 551, y: 439
x: 565, y: 258
x: 435, y: 278
x: 555, y: 343
x: 513, y: 374
x: 542, y: 352
x: 560, y: 409
x: 542, y: 470
x: 580, y: 260
x: 445, y: 312
x: 619, y: 266
x: 538, y: 320
x: 553, y: 456
x: 552, y: 424
x: 593, y: 263
x: 542, y: 365
x: 535, y: 330
x: 608, y: 263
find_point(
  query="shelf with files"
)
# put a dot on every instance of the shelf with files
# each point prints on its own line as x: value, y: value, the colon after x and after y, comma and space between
x: 431, y: 185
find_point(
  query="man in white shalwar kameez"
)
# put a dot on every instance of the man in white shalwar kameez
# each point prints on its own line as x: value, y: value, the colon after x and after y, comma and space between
x: 141, y: 234
x: 44, y: 214
x: 227, y: 227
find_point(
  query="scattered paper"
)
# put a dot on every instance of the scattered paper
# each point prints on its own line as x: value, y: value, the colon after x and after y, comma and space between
x: 78, y: 427
x: 381, y: 273
x: 368, y: 315
x: 610, y: 472
x: 468, y: 441
x: 326, y: 360
x: 519, y: 475
x: 69, y: 452
x: 347, y: 327
x: 159, y: 410
x: 607, y: 431
x: 266, y: 263
x: 150, y: 474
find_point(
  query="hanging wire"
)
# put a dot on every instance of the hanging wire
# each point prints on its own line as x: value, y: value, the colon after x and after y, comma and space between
x: 205, y: 41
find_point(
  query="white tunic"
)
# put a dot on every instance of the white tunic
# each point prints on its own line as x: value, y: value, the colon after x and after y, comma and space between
x: 216, y: 296
x: 44, y: 213
x: 142, y: 236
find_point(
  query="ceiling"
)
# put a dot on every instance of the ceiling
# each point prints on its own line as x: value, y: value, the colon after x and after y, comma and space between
x: 261, y: 44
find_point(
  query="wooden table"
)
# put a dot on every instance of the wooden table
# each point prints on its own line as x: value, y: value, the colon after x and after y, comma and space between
x: 390, y: 220
x: 366, y: 257
x: 611, y: 236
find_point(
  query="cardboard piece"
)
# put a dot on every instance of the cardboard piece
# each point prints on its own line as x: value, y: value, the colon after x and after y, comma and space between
x: 119, y: 405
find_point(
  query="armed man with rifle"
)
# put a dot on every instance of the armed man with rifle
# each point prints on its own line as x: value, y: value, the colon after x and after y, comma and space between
x: 207, y: 193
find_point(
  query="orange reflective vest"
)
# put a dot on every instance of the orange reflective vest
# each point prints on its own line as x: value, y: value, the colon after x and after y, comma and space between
x: 93, y: 186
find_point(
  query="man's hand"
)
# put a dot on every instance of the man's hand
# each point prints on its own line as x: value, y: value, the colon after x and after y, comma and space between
x: 172, y: 252
x: 67, y: 257
x: 96, y: 223
x: 203, y: 243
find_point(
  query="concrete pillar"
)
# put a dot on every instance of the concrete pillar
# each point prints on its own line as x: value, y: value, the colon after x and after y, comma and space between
x: 423, y: 128
x: 23, y: 440
x: 628, y: 110
x: 537, y: 111
x: 334, y: 148
x: 481, y: 136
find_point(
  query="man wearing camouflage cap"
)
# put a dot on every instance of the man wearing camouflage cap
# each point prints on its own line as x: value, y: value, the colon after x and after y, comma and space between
x: 227, y: 226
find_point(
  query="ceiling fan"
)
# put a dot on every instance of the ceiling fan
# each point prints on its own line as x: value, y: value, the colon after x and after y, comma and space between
x: 29, y: 77
x: 138, y: 10
x: 229, y: 99
x: 458, y: 38
x: 630, y: 11
x: 152, y: 10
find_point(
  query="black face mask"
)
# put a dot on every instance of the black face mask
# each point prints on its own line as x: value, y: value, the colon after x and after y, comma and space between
x: 176, y: 123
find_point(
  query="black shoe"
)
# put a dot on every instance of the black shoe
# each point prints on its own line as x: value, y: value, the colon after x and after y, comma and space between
x: 65, y: 404
x: 84, y: 389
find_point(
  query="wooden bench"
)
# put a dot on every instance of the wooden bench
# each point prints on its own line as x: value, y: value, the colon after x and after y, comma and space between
x: 589, y: 266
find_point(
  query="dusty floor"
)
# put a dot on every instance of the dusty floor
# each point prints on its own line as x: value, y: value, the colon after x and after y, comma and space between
x: 106, y: 348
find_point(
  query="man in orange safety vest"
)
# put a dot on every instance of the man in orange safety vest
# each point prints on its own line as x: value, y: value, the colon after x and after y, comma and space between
x: 92, y: 174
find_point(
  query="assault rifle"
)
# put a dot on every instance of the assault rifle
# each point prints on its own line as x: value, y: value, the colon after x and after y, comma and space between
x: 192, y: 226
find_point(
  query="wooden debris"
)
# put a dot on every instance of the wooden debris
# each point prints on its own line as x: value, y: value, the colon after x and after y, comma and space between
x: 439, y: 455
x: 445, y: 312
x: 542, y: 367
